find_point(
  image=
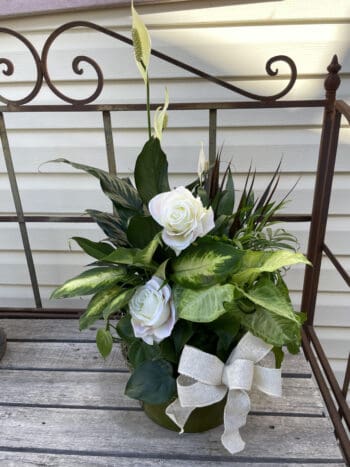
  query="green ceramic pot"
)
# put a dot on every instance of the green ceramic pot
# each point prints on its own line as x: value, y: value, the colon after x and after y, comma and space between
x: 201, y: 419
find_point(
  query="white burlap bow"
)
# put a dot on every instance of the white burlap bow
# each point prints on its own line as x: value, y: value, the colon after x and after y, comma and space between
x: 205, y: 380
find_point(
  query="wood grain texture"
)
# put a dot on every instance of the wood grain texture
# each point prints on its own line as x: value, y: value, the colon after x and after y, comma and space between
x: 85, y: 356
x: 107, y: 390
x: 116, y: 432
x: 59, y: 417
x: 16, y: 459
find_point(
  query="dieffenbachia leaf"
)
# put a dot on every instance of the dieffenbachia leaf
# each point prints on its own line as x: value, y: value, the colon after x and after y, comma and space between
x: 141, y: 42
x: 119, y: 302
x: 205, y: 264
x: 90, y: 282
x: 257, y: 262
x: 202, y: 305
x: 97, y: 305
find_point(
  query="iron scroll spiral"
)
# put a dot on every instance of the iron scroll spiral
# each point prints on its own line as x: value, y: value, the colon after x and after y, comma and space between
x: 10, y: 68
x: 80, y: 60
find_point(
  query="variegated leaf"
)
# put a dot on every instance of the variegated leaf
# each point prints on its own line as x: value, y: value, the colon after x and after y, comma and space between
x: 97, y: 305
x: 206, y: 264
x: 90, y: 282
x: 203, y: 305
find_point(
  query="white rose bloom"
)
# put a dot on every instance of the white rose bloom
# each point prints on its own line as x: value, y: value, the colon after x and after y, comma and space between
x: 152, y: 311
x: 183, y: 217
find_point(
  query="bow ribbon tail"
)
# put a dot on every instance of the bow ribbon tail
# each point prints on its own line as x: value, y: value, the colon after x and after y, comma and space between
x: 178, y: 414
x: 235, y: 416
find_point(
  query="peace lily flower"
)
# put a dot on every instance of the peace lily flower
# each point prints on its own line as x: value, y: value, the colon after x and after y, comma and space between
x: 161, y: 118
x: 152, y: 311
x: 183, y: 217
x: 203, y: 164
x: 141, y: 42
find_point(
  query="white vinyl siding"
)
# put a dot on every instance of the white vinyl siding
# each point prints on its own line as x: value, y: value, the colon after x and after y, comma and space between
x: 233, y: 42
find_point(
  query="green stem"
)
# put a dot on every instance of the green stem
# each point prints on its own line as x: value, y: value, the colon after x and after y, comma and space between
x: 148, y: 109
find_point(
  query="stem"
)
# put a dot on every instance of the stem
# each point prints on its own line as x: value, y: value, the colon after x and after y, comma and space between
x: 148, y: 108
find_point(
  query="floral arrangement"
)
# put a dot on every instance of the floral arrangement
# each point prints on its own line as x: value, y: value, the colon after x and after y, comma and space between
x: 196, y: 281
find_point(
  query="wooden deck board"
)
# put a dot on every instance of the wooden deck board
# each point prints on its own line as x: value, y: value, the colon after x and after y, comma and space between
x: 15, y: 459
x: 107, y: 390
x: 62, y: 405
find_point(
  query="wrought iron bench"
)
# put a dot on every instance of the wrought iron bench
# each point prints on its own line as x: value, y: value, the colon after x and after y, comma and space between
x: 26, y: 354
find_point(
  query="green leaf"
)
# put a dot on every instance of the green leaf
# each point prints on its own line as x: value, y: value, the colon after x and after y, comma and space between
x: 117, y: 189
x: 152, y: 382
x: 226, y: 322
x: 205, y: 264
x: 268, y: 296
x: 274, y: 329
x: 167, y: 351
x: 125, y: 330
x: 114, y: 227
x: 140, y: 352
x: 142, y: 230
x: 181, y: 334
x: 161, y: 271
x: 135, y: 256
x: 95, y: 249
x: 257, y: 262
x: 279, y: 356
x: 97, y: 305
x: 118, y: 303
x: 151, y: 171
x: 104, y: 342
x: 90, y: 282
x: 202, y: 305
x: 226, y: 203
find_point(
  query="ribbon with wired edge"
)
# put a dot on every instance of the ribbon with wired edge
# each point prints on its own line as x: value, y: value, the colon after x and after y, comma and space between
x: 204, y: 380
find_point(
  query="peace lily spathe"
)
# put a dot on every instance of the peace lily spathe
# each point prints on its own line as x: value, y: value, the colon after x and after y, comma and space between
x: 183, y: 217
x: 152, y: 311
x: 204, y: 380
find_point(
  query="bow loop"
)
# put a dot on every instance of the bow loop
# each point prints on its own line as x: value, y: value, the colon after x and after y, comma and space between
x: 209, y: 371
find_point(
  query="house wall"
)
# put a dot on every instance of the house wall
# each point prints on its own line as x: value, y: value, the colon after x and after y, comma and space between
x: 232, y: 42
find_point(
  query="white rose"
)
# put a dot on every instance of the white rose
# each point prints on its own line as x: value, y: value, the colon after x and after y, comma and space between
x: 183, y: 217
x: 152, y: 311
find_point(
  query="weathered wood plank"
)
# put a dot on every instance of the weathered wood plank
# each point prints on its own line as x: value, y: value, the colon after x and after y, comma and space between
x: 52, y: 355
x: 84, y: 356
x: 112, y: 432
x: 107, y: 390
x: 46, y: 329
x: 15, y: 459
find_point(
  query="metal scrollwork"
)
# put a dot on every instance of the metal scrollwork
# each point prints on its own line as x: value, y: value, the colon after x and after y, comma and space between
x: 10, y: 68
x: 79, y: 61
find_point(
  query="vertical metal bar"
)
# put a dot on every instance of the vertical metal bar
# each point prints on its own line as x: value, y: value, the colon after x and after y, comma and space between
x: 19, y: 211
x: 339, y: 429
x: 346, y: 378
x: 107, y: 124
x: 322, y: 192
x: 212, y: 135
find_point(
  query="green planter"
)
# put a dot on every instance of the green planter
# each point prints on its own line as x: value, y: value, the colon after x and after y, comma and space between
x: 201, y: 419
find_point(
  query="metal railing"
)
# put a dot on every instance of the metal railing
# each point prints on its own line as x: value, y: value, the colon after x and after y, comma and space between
x: 334, y: 396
